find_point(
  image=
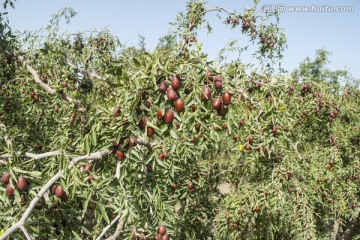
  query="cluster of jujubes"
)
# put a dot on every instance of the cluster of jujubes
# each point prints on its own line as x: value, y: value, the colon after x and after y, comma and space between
x: 21, y: 184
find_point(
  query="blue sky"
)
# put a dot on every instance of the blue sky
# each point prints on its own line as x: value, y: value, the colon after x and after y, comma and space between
x: 306, y: 32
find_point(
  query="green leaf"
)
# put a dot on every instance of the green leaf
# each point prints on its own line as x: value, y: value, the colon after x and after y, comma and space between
x: 116, y: 64
x: 76, y: 235
x: 136, y: 62
x: 87, y: 145
x: 174, y: 134
x: 93, y: 138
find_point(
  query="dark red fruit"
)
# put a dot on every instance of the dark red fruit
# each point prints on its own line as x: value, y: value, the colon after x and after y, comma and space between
x: 189, y: 88
x: 206, y: 93
x: 120, y: 155
x: 216, y: 103
x: 163, y: 86
x: 91, y: 177
x: 116, y: 111
x: 65, y: 85
x: 171, y: 94
x: 169, y: 116
x: 174, y: 186
x: 221, y: 110
x: 190, y: 185
x: 59, y: 192
x: 132, y: 141
x: 9, y: 190
x: 147, y: 104
x: 250, y: 139
x: 21, y: 184
x: 192, y: 139
x: 241, y: 123
x: 163, y: 155
x: 87, y: 167
x: 157, y: 237
x: 72, y: 119
x: 64, y: 197
x: 5, y: 178
x: 165, y: 237
x: 161, y: 230
x: 235, y: 137
x: 226, y: 98
x: 57, y: 231
x: 264, y: 149
x: 248, y: 147
x: 56, y: 109
x: 150, y: 132
x: 53, y: 189
x: 36, y: 98
x: 318, y: 108
x: 159, y: 115
x: 218, y: 82
x: 38, y: 205
x: 175, y: 82
x: 274, y: 130
x: 115, y: 147
x: 197, y: 126
x: 208, y: 76
x: 32, y: 94
x: 179, y: 104
x: 142, y: 123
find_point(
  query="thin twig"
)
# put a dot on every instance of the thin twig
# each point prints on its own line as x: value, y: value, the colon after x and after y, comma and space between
x: 107, y: 227
x: 23, y: 229
x: 118, y: 170
x: 218, y: 9
x: 117, y: 231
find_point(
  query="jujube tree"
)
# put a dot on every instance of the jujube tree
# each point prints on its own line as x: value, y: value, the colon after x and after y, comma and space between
x: 98, y: 138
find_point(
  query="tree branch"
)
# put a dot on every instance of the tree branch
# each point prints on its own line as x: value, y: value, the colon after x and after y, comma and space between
x: 88, y: 73
x: 93, y: 156
x: 351, y: 225
x: 7, y: 140
x: 29, y: 155
x: 143, y: 142
x: 37, y: 79
x: 48, y: 89
x: 117, y: 231
x: 335, y: 229
x: 109, y: 226
x: 218, y: 9
x: 42, y: 155
x: 23, y: 229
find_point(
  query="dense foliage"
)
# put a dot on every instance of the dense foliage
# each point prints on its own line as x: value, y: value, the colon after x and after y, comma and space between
x: 146, y: 138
